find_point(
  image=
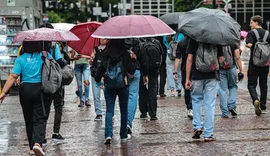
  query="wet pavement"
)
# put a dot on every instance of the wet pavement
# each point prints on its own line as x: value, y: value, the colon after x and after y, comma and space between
x: 246, y: 135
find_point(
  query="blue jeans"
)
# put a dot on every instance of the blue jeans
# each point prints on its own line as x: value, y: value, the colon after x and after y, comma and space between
x: 227, y: 82
x: 110, y: 96
x: 96, y: 93
x: 172, y: 84
x: 204, y: 90
x: 133, y: 96
x: 82, y: 70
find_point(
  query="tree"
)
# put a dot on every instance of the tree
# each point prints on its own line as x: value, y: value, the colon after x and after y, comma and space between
x: 54, y: 17
x: 187, y: 5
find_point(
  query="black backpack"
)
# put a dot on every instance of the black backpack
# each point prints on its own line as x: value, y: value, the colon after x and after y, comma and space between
x: 115, y: 76
x: 153, y: 52
x: 97, y: 62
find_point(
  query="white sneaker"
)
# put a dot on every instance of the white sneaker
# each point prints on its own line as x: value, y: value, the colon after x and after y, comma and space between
x: 108, y: 140
x: 38, y: 150
x: 126, y: 139
x: 190, y: 113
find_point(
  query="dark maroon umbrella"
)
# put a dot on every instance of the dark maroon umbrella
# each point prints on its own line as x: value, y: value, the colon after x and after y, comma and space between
x: 132, y: 26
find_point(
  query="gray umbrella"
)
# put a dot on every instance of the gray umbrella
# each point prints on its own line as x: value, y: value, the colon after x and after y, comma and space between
x: 210, y: 26
x: 171, y: 18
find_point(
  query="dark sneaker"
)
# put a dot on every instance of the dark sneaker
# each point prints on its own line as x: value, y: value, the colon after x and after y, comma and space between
x: 209, y: 139
x: 144, y: 116
x: 153, y: 118
x: 108, y: 140
x: 233, y: 112
x: 44, y: 143
x: 98, y: 118
x: 77, y: 93
x: 162, y: 95
x: 81, y: 104
x: 126, y: 139
x: 129, y: 131
x: 87, y: 103
x: 58, y: 139
x: 179, y: 92
x: 224, y: 116
x: 257, y: 106
x: 197, y: 133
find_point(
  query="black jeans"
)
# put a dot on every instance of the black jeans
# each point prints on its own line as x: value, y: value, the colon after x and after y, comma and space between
x: 187, y: 92
x: 58, y: 101
x: 253, y: 74
x: 35, y: 121
x: 148, y: 97
x: 162, y: 79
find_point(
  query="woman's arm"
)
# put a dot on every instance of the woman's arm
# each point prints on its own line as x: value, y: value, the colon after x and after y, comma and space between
x: 10, y: 81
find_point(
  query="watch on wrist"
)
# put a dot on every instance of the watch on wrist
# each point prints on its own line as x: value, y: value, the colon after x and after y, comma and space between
x: 174, y: 73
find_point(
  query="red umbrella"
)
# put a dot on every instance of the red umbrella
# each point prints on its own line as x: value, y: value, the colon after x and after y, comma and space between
x: 45, y: 34
x: 132, y: 26
x: 87, y: 42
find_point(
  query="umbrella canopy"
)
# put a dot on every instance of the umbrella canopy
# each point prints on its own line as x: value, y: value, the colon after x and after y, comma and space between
x: 45, y: 34
x: 244, y: 33
x: 132, y: 26
x: 87, y: 42
x: 210, y: 26
x: 63, y: 26
x: 171, y: 18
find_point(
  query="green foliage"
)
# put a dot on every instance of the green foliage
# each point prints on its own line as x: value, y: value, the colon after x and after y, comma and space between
x: 187, y: 5
x: 54, y: 17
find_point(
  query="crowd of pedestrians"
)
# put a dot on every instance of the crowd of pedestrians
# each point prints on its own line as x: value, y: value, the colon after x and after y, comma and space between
x: 129, y: 69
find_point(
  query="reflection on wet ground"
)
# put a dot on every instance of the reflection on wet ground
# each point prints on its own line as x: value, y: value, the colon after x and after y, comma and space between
x: 246, y: 135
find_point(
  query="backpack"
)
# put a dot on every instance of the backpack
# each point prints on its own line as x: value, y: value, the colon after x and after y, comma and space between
x: 228, y: 58
x: 114, y: 76
x: 206, y: 58
x: 97, y: 62
x: 153, y: 52
x: 51, y: 74
x: 67, y: 71
x: 172, y: 50
x: 261, y: 53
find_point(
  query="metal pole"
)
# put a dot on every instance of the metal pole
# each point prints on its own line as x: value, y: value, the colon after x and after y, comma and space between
x: 245, y: 12
x: 253, y: 7
x: 110, y: 10
x: 214, y: 4
x: 236, y: 6
x: 172, y: 5
x: 124, y: 8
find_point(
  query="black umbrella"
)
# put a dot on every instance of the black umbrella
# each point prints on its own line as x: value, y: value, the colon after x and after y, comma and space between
x: 171, y: 18
x: 210, y: 26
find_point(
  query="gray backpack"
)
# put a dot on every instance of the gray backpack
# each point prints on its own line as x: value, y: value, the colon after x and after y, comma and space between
x: 51, y: 74
x: 228, y: 58
x: 261, y: 53
x: 172, y: 50
x: 206, y: 58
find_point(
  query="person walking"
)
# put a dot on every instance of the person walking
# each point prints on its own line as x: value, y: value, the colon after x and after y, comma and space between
x: 181, y: 54
x: 148, y: 84
x: 140, y: 62
x: 28, y: 66
x: 82, y: 71
x: 173, y: 84
x: 203, y: 89
x: 95, y: 61
x: 115, y: 70
x: 228, y: 82
x: 56, y: 49
x: 254, y: 72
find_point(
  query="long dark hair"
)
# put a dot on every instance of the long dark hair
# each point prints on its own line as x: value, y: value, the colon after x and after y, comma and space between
x: 116, y: 48
x: 31, y: 47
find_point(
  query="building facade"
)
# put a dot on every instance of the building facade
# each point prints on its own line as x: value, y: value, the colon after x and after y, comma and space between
x: 151, y: 7
x: 243, y: 10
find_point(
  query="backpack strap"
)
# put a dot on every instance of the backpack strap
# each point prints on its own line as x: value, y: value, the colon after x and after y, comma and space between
x: 97, y: 50
x: 256, y: 34
x: 265, y: 35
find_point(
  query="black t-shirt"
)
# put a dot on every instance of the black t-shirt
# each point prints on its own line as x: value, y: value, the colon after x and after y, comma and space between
x: 251, y: 38
x: 197, y: 75
x: 181, y: 52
